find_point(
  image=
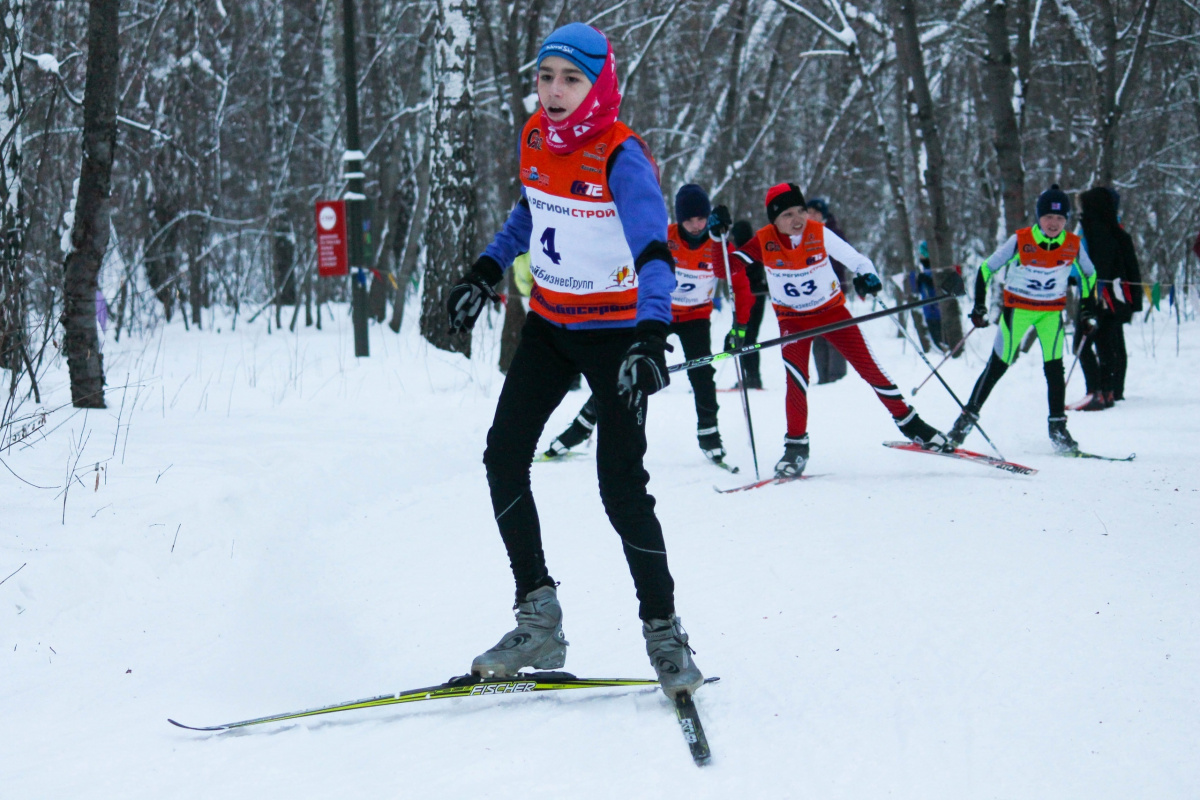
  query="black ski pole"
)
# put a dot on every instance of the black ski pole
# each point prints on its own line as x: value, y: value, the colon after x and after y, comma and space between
x: 696, y: 363
x: 938, y: 375
x: 1078, y: 352
x: 948, y: 356
x: 737, y: 362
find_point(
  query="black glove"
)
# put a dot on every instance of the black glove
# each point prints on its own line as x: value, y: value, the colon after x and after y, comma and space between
x: 1088, y: 316
x: 867, y: 283
x: 951, y: 282
x: 757, y: 276
x: 644, y: 370
x: 468, y: 295
x: 719, y: 222
x: 735, y: 338
x: 979, y: 316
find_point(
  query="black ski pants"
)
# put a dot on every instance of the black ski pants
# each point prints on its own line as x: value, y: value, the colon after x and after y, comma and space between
x: 1103, y: 358
x: 696, y: 337
x: 546, y: 361
x: 750, y: 362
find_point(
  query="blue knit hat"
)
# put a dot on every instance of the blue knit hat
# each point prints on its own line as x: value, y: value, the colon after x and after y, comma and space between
x: 1053, y: 201
x: 691, y: 201
x: 581, y: 44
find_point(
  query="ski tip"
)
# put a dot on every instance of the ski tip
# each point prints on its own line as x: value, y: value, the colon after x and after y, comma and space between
x: 193, y: 728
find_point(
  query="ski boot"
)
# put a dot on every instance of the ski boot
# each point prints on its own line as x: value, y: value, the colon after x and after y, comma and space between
x: 1096, y: 402
x: 710, y: 444
x: 579, y: 431
x: 921, y: 432
x: 962, y: 426
x: 795, y: 457
x: 1060, y: 437
x: 537, y: 641
x: 671, y: 657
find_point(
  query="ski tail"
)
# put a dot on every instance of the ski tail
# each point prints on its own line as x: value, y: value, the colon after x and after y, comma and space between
x: 693, y: 731
x: 966, y: 455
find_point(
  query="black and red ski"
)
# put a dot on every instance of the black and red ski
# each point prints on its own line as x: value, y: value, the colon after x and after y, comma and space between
x: 966, y: 455
x: 763, y: 482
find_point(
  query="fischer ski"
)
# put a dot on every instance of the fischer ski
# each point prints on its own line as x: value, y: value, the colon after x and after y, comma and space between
x: 966, y: 455
x: 1082, y: 454
x: 764, y: 482
x: 461, y: 686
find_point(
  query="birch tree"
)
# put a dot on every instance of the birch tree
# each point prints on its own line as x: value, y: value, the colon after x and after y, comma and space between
x: 450, y: 228
x: 12, y: 303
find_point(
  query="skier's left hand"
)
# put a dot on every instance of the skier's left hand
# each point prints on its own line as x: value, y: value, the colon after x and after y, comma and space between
x: 867, y: 283
x: 1088, y: 325
x: 735, y: 338
x: 644, y: 370
x: 719, y: 222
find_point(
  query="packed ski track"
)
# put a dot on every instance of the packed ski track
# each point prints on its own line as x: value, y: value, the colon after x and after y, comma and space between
x: 262, y: 523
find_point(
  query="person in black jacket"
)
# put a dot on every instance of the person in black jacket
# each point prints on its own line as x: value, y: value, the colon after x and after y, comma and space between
x: 1103, y: 357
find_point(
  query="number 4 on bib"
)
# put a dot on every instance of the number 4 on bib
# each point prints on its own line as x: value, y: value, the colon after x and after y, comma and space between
x: 548, y: 246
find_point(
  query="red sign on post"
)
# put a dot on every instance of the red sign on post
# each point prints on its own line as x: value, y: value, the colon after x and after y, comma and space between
x: 332, y: 258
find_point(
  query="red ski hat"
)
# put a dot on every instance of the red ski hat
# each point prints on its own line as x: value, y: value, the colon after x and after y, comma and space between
x: 781, y: 197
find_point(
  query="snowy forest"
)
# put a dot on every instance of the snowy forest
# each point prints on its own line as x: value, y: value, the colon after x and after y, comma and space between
x: 233, y: 488
x: 936, y: 122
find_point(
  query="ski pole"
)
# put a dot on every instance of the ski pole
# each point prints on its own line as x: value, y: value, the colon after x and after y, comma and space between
x: 696, y: 363
x: 947, y: 357
x: 933, y: 369
x: 737, y: 362
x: 1078, y: 351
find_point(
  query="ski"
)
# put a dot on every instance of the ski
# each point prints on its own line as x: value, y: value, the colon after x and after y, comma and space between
x: 1082, y: 454
x: 693, y: 731
x: 966, y: 455
x: 546, y: 457
x: 764, y: 482
x: 727, y: 467
x: 461, y: 686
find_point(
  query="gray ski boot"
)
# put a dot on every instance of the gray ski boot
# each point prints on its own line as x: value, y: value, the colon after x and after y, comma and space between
x: 537, y: 641
x: 795, y: 457
x: 1060, y: 437
x: 962, y: 426
x: 667, y: 646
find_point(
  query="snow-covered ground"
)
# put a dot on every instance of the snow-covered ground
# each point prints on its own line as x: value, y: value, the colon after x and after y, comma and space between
x: 276, y: 525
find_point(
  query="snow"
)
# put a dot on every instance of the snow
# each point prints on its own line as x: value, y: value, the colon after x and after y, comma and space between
x: 279, y: 526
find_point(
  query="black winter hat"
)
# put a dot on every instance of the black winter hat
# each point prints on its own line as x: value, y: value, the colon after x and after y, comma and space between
x: 741, y: 232
x: 781, y: 197
x: 691, y: 201
x: 1053, y: 201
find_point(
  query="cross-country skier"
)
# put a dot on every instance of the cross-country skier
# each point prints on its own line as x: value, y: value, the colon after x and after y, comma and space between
x: 1034, y: 265
x: 592, y: 217
x: 792, y: 256
x: 695, y: 242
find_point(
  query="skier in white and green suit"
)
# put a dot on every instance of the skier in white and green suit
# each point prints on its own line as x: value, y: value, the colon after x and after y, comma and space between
x: 1034, y: 265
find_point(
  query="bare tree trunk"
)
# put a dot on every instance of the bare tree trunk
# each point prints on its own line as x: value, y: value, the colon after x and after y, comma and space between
x: 450, y: 233
x: 12, y: 291
x: 941, y: 252
x: 89, y: 234
x: 1113, y: 87
x: 999, y: 87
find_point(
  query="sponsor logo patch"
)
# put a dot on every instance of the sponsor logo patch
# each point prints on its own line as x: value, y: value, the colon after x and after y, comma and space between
x: 585, y: 189
x: 534, y: 139
x: 623, y: 277
x: 532, y: 175
x: 589, y: 169
x: 774, y: 247
x: 814, y: 259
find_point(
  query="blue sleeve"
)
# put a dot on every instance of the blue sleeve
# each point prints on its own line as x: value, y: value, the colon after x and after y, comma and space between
x: 635, y: 191
x: 513, y: 238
